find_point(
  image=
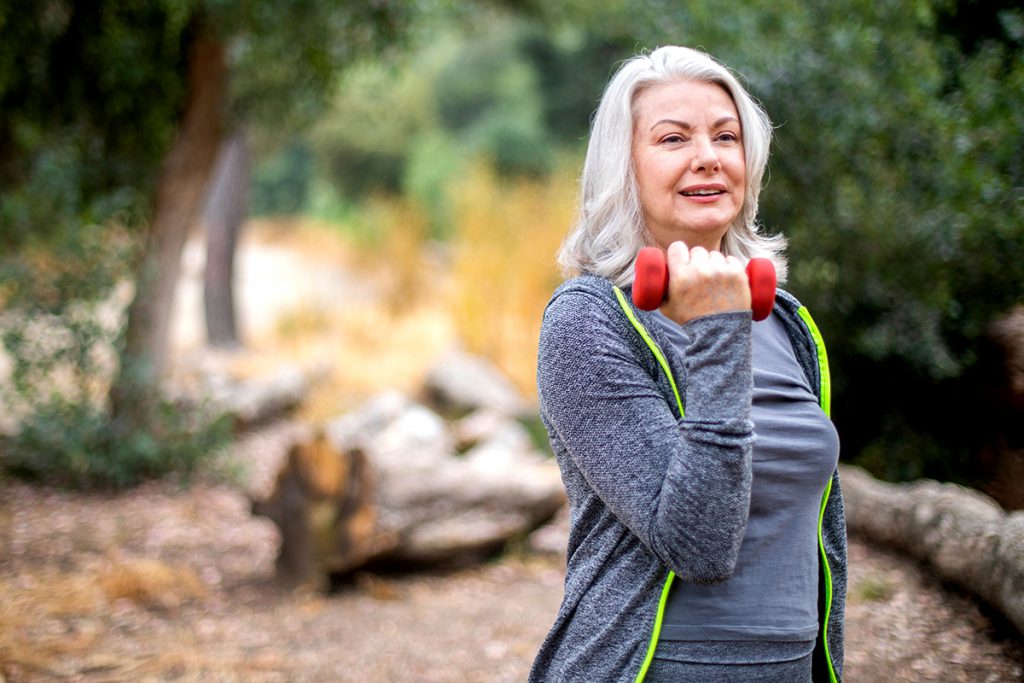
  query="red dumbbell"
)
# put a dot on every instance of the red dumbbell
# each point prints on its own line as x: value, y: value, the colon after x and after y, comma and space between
x: 650, y: 282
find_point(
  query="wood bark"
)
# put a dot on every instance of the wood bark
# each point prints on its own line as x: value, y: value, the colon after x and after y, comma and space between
x: 323, y: 505
x: 177, y: 200
x: 963, y: 535
x: 223, y: 217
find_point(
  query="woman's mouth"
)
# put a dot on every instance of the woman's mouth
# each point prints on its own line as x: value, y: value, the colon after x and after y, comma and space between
x: 703, y: 191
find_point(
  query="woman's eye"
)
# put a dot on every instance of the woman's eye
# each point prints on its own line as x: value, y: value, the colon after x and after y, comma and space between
x: 728, y: 137
x: 673, y: 138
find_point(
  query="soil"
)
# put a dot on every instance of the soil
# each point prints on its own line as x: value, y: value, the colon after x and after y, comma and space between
x: 171, y: 583
x: 164, y: 583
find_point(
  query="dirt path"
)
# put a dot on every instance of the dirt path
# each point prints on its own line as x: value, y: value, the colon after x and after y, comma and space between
x: 165, y: 584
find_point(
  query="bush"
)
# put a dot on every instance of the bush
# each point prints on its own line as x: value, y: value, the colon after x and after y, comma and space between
x: 60, y: 327
x: 73, y: 444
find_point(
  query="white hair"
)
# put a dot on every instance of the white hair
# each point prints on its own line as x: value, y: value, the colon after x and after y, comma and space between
x: 610, y: 229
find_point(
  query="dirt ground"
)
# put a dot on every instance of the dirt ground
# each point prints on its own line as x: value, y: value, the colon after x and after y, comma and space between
x: 163, y: 583
x: 170, y: 584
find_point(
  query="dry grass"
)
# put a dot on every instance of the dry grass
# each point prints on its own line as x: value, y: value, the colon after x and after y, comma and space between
x: 504, y: 270
x: 150, y: 583
x: 484, y: 290
x: 38, y: 611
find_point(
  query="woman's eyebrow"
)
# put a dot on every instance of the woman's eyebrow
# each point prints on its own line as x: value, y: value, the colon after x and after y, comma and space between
x: 686, y: 126
x: 674, y: 122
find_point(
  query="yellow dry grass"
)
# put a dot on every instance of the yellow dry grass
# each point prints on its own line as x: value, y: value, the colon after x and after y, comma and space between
x: 484, y: 290
x: 504, y: 269
x: 36, y: 609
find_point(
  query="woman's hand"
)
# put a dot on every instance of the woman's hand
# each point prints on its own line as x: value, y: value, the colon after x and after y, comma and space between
x: 702, y: 283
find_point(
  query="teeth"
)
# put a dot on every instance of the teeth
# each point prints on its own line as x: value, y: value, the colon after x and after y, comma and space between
x: 702, y: 193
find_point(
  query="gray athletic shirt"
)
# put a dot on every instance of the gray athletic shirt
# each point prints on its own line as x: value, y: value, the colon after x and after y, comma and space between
x: 772, y: 596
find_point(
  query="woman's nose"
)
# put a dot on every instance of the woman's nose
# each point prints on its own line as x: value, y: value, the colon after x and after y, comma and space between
x: 704, y: 157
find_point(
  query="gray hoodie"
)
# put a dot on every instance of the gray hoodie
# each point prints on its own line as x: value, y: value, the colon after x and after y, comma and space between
x: 653, y: 496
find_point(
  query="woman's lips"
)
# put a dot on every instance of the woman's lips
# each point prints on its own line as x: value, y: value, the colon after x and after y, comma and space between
x: 703, y: 193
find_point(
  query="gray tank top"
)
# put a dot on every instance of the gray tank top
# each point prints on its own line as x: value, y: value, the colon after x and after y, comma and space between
x: 773, y: 594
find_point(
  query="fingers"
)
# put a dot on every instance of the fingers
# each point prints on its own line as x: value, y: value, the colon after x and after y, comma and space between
x: 678, y: 252
x: 703, y: 282
x: 702, y: 260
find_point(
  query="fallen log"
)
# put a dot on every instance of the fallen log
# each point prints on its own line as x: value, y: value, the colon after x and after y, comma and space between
x: 392, y: 485
x: 963, y: 535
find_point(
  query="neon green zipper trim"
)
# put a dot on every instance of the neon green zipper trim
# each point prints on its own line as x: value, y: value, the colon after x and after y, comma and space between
x: 663, y: 362
x: 826, y: 405
x: 825, y: 376
x: 656, y: 631
x: 828, y: 584
x: 653, y: 345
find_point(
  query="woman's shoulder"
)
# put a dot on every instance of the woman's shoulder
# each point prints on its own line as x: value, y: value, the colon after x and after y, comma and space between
x: 586, y: 284
x: 582, y: 297
x: 584, y: 308
x: 787, y: 301
x: 588, y: 317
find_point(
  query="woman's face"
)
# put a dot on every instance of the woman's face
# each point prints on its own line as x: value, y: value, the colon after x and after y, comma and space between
x: 689, y: 162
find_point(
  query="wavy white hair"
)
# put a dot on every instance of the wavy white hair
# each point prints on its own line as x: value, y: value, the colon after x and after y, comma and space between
x: 610, y: 228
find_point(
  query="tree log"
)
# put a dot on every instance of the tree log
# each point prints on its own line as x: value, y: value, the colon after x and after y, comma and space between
x: 963, y: 535
x: 387, y: 487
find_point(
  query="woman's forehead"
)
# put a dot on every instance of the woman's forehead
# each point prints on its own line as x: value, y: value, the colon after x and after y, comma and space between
x: 688, y: 98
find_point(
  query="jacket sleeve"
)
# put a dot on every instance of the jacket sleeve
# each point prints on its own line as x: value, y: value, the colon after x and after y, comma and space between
x: 681, y: 486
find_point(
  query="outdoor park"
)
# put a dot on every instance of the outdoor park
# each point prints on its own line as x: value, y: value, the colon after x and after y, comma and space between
x: 271, y: 283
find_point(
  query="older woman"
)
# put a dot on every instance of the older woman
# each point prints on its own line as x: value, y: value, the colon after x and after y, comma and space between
x: 708, y: 539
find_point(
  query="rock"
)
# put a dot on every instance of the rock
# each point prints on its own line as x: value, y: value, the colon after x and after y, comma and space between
x: 461, y: 383
x: 553, y: 537
x: 256, y: 401
x: 363, y: 425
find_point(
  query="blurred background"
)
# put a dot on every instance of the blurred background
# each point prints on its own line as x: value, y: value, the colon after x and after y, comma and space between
x: 197, y: 188
x: 439, y: 143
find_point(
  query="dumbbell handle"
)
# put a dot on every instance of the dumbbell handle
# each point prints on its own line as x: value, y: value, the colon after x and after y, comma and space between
x: 650, y: 282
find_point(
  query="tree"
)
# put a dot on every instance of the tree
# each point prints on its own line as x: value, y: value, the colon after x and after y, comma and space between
x: 896, y: 175
x: 224, y: 212
x: 115, y: 118
x: 318, y: 28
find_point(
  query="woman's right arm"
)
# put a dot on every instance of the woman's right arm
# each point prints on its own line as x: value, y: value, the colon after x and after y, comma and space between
x: 682, y: 486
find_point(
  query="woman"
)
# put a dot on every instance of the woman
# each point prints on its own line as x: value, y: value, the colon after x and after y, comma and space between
x: 708, y: 540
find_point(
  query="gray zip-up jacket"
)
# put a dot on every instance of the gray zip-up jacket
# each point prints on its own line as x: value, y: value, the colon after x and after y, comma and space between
x: 655, y: 496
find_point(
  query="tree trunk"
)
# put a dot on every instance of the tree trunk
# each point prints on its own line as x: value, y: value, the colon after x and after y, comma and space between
x: 963, y: 535
x: 224, y: 214
x: 177, y: 200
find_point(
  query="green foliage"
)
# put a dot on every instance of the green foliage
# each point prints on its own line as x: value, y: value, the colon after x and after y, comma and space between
x: 286, y: 55
x: 280, y: 185
x: 62, y: 352
x: 900, y: 192
x: 72, y: 444
x: 515, y: 92
x: 91, y: 95
x: 434, y: 161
